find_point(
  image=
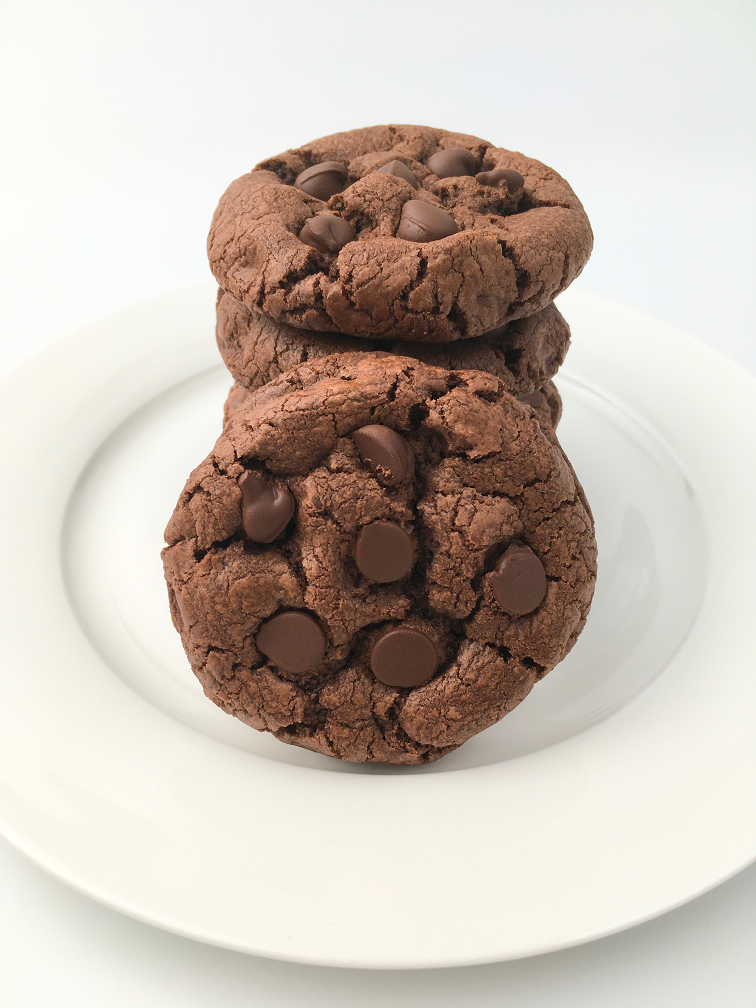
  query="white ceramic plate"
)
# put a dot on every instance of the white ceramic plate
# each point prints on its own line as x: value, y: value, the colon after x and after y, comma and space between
x: 621, y: 787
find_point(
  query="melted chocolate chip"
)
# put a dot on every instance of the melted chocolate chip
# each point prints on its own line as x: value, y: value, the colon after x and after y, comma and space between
x: 518, y: 581
x: 403, y: 656
x: 452, y: 161
x: 323, y: 180
x: 506, y: 177
x: 384, y: 552
x: 424, y: 222
x: 385, y: 451
x: 400, y: 170
x: 292, y: 640
x: 266, y: 508
x: 327, y: 233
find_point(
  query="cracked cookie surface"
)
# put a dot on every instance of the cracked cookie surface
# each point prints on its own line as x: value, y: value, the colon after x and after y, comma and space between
x: 524, y: 354
x: 512, y: 253
x: 546, y: 403
x: 445, y: 460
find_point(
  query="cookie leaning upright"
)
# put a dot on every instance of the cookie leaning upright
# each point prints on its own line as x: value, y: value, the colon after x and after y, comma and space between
x: 379, y: 558
x: 399, y: 232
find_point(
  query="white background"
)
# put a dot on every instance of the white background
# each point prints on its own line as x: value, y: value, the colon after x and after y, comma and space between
x: 122, y: 124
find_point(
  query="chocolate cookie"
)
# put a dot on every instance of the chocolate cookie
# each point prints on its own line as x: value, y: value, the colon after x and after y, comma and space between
x: 379, y: 558
x: 399, y: 232
x: 524, y: 354
x: 546, y: 403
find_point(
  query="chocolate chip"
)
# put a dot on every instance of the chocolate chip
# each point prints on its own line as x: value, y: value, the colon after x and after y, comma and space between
x: 424, y: 222
x: 403, y: 656
x: 518, y: 581
x: 323, y: 180
x: 327, y: 233
x: 385, y: 451
x: 292, y: 640
x: 506, y: 177
x: 400, y: 170
x: 452, y: 161
x: 266, y: 508
x: 384, y: 552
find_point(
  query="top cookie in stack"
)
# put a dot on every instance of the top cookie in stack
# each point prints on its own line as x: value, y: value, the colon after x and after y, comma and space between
x: 399, y: 233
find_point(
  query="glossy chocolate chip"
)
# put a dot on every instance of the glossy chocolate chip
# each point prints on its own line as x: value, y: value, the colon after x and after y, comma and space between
x: 327, y: 233
x: 452, y: 161
x: 385, y: 451
x: 384, y: 552
x: 507, y: 177
x: 518, y: 581
x: 400, y: 170
x: 323, y: 180
x: 292, y: 640
x: 403, y: 656
x: 424, y: 222
x: 266, y: 508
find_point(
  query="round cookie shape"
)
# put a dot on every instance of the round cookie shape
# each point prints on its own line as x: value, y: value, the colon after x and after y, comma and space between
x: 525, y: 354
x: 484, y: 477
x: 512, y: 252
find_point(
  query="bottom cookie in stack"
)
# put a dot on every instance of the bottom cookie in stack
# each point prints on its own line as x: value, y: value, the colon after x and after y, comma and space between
x: 380, y: 558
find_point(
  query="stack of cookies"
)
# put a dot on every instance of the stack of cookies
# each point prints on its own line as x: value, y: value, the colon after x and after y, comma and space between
x: 387, y: 548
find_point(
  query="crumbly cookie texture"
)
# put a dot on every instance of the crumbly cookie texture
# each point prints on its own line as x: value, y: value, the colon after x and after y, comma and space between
x: 546, y: 403
x: 335, y: 634
x: 442, y: 258
x: 524, y: 354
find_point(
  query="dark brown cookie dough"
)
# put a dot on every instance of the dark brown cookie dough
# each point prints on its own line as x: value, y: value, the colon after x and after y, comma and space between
x: 546, y: 403
x: 514, y: 249
x: 376, y: 450
x: 524, y: 354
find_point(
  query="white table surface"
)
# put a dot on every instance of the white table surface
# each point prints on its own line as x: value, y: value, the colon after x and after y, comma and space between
x: 122, y: 123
